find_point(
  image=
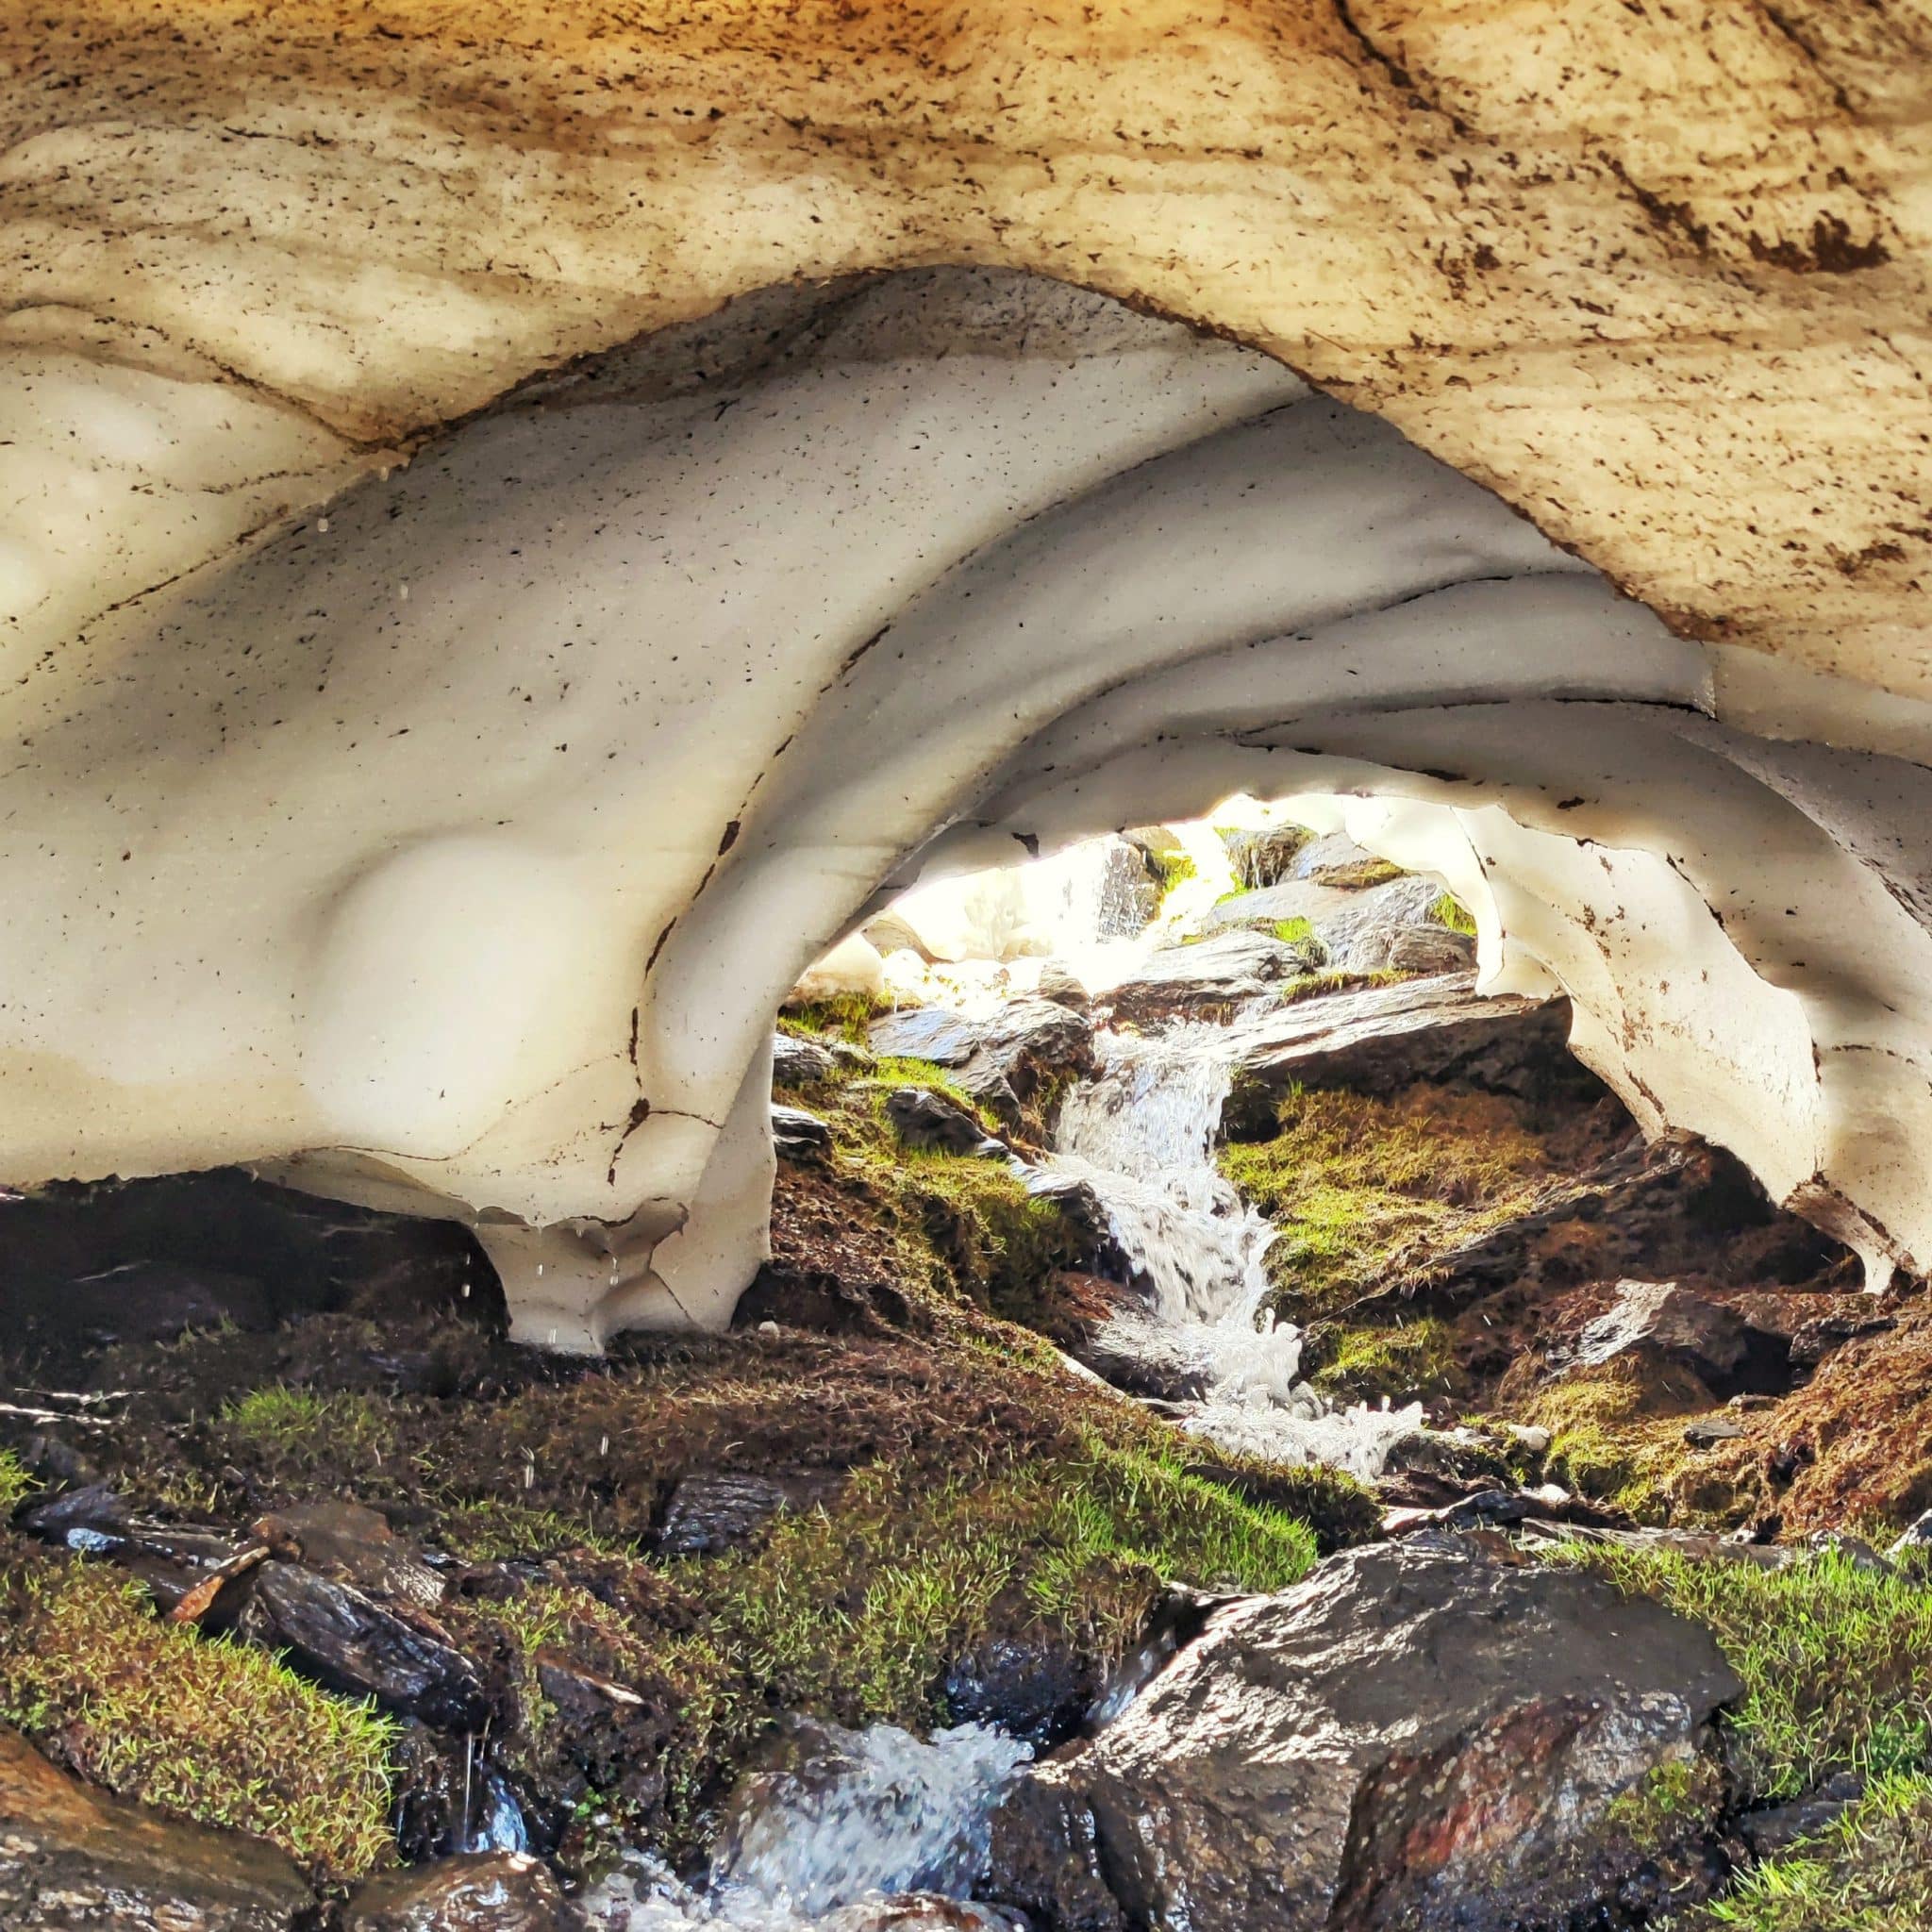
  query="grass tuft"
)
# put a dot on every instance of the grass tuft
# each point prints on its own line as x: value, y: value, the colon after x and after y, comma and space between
x: 1449, y: 910
x: 16, y: 1485
x: 299, y: 1431
x: 208, y: 1731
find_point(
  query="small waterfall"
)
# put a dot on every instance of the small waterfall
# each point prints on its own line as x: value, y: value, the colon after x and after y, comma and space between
x: 877, y: 1815
x: 1140, y: 1134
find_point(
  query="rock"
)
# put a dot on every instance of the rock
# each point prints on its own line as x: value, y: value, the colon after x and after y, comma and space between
x: 72, y: 1857
x: 1668, y: 1320
x: 724, y: 1511
x: 1383, y: 1038
x: 1058, y: 983
x: 1333, y: 856
x: 1265, y: 857
x: 1419, y: 1735
x: 1263, y: 910
x: 478, y: 1892
x: 1709, y: 1431
x: 1915, y: 1545
x: 797, y: 1135
x: 922, y: 1118
x: 1392, y: 928
x: 1206, y: 981
x: 917, y: 1911
x: 1778, y: 1828
x: 1136, y: 1351
x: 935, y: 1034
x: 1824, y: 1334
x: 1030, y: 1047
x: 797, y: 1063
x: 1036, y: 1691
x: 351, y: 1644
x: 351, y: 1544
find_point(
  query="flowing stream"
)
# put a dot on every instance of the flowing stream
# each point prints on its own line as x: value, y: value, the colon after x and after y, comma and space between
x: 1140, y: 1134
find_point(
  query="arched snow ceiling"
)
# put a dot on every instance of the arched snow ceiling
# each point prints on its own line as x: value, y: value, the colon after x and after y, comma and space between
x: 450, y: 844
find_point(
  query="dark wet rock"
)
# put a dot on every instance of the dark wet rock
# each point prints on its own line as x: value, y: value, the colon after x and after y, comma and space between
x: 483, y: 1892
x: 94, y: 1505
x: 1823, y: 1335
x: 72, y: 1857
x: 1208, y: 980
x: 1265, y: 857
x: 1663, y: 1318
x: 351, y: 1544
x: 1059, y: 984
x: 171, y: 1561
x: 350, y: 1644
x: 1393, y: 929
x: 922, y: 1118
x: 1419, y: 1735
x: 725, y: 1511
x: 797, y: 1063
x: 1501, y: 1508
x: 1034, y: 1690
x: 1672, y: 1209
x: 796, y: 1134
x: 1778, y: 1828
x: 1380, y: 1039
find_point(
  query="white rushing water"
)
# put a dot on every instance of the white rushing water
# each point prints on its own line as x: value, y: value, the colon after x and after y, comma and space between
x: 1140, y: 1133
x: 878, y: 1816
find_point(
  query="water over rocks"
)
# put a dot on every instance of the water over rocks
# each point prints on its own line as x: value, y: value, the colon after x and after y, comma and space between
x: 1420, y: 1736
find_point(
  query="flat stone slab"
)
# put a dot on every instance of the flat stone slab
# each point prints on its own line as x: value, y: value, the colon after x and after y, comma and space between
x: 1382, y: 1038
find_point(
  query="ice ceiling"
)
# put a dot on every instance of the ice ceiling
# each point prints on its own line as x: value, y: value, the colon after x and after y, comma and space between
x: 433, y: 755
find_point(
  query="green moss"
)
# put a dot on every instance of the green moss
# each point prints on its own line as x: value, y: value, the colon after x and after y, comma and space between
x: 15, y: 1484
x: 299, y: 1431
x: 1450, y: 911
x: 1617, y: 1436
x: 1364, y: 1364
x: 1171, y: 869
x: 1366, y: 1191
x: 1870, y: 1871
x: 1836, y: 1661
x: 846, y: 1016
x: 854, y: 1612
x: 206, y: 1731
x: 487, y: 1530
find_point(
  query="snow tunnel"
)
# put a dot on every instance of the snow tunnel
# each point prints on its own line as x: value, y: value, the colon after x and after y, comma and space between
x: 450, y: 846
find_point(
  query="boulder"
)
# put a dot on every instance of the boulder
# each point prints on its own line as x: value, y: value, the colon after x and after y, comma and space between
x: 1028, y: 1051
x: 1206, y: 981
x: 922, y: 1118
x: 351, y: 1544
x: 1393, y: 927
x: 1266, y: 855
x: 478, y: 1892
x: 1335, y: 858
x: 935, y: 1034
x: 72, y: 1856
x: 1660, y: 1318
x: 1036, y: 1689
x: 1424, y: 1736
x: 352, y: 1644
x: 797, y: 1063
x: 1058, y: 983
x: 1380, y: 1039
x: 797, y: 1135
x: 1263, y: 909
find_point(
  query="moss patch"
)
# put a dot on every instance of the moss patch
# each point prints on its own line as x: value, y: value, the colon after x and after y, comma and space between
x: 1365, y: 1364
x: 205, y: 1731
x: 1449, y: 910
x: 1360, y: 874
x: 846, y: 1016
x: 1836, y: 1661
x: 1365, y: 1191
x: 15, y: 1484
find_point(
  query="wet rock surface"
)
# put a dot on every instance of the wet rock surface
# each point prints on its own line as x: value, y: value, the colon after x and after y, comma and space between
x: 923, y: 1118
x: 1419, y: 1735
x: 73, y: 1858
x: 797, y: 1063
x: 486, y: 1891
x: 1392, y: 928
x: 356, y: 1646
x: 1376, y: 1039
x: 1009, y: 1063
x: 1206, y: 981
x: 724, y: 1511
